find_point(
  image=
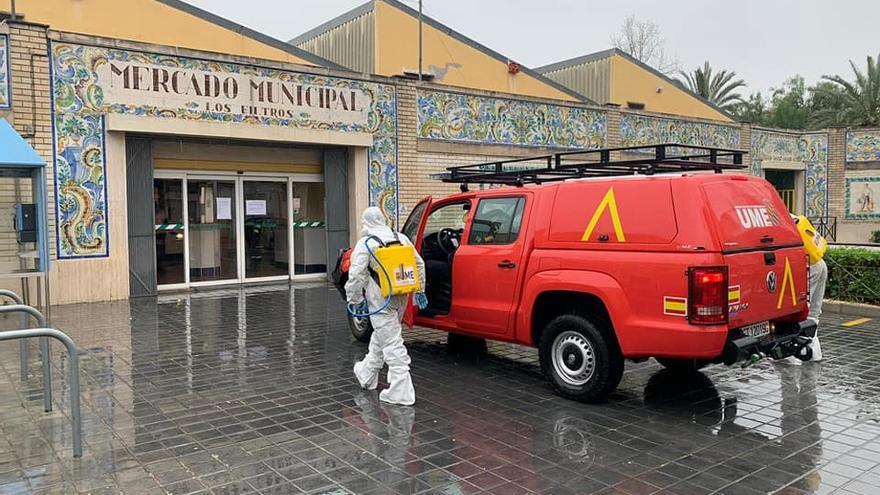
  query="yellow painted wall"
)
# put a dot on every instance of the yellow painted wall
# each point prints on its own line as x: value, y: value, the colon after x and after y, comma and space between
x: 146, y: 21
x: 397, y: 47
x: 630, y: 82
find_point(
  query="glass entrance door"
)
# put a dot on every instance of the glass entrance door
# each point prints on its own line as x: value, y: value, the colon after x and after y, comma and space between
x: 215, y: 229
x: 266, y: 230
x: 168, y: 209
x: 309, y: 231
x: 213, y: 249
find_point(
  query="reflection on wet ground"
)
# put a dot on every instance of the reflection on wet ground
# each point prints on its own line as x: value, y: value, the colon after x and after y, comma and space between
x: 250, y: 391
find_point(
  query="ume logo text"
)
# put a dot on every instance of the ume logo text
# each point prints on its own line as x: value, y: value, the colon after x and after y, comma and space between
x: 751, y: 217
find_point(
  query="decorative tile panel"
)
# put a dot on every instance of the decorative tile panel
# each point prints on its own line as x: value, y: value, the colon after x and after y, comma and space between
x: 89, y: 82
x: 863, y: 146
x: 484, y: 120
x: 809, y: 149
x: 813, y: 151
x: 639, y: 130
x: 863, y: 198
x: 5, y: 90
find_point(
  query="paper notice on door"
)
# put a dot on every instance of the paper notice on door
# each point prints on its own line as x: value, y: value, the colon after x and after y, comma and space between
x: 224, y: 208
x: 255, y: 207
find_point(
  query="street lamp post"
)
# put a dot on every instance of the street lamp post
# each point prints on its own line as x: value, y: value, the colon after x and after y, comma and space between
x: 420, y: 39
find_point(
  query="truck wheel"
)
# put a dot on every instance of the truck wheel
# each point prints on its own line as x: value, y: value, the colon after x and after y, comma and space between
x: 361, y: 328
x: 579, y: 360
x: 682, y: 365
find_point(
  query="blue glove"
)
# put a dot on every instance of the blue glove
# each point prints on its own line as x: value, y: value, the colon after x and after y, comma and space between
x: 421, y: 300
x: 359, y: 310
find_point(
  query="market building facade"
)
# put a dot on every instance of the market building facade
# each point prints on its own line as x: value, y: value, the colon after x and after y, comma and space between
x: 175, y: 167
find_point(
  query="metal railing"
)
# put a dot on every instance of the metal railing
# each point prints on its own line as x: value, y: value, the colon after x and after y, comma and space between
x: 24, y: 350
x: 826, y: 226
x: 857, y: 284
x: 787, y: 196
x: 44, y: 349
x: 45, y: 333
x: 73, y: 373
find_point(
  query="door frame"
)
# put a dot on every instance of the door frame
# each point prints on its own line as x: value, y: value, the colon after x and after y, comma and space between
x: 160, y: 175
x: 239, y: 229
x: 288, y: 185
x: 239, y: 179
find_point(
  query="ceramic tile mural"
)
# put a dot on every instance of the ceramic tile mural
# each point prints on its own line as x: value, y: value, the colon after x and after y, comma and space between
x: 863, y: 146
x: 772, y: 146
x: 5, y: 92
x: 89, y: 82
x: 638, y: 130
x: 811, y: 149
x: 478, y: 119
x: 863, y: 198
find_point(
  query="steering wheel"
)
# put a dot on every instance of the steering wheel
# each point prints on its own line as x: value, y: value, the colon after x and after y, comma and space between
x: 448, y: 240
x: 492, y: 226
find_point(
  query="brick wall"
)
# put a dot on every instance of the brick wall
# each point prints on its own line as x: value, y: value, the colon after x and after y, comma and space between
x: 31, y: 117
x: 836, y: 172
x: 416, y: 162
x: 745, y: 138
x: 407, y: 151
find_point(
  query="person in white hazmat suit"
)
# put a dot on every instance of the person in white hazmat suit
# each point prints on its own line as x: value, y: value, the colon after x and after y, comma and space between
x: 386, y: 343
x: 817, y: 280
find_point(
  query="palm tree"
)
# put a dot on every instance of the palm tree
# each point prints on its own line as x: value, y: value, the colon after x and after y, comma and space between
x: 859, y: 100
x: 719, y: 88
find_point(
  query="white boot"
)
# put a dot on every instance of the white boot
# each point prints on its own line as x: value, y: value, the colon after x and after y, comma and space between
x: 367, y: 379
x: 817, y: 349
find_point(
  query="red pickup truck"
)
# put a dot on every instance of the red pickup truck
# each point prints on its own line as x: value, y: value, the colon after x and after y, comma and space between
x: 594, y: 261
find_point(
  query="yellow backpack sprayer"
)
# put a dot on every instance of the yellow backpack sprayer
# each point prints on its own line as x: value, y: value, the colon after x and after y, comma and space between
x: 399, y: 271
x: 814, y: 243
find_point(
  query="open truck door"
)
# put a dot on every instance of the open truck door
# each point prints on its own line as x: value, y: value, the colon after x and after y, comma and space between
x: 412, y: 229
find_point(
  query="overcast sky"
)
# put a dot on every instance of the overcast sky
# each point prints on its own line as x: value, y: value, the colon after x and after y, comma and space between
x: 764, y: 41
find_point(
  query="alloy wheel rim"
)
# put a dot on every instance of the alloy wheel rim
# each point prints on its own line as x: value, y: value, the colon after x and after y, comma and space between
x: 360, y: 324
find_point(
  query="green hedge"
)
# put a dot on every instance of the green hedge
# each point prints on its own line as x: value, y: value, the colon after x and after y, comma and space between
x: 853, y: 275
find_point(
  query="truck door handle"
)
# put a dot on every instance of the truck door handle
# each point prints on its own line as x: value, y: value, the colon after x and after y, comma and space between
x: 507, y: 264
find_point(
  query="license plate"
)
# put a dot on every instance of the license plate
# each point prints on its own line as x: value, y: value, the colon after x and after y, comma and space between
x: 757, y: 330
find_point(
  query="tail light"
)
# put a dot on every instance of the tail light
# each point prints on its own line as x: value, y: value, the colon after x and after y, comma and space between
x: 345, y: 264
x: 707, y: 295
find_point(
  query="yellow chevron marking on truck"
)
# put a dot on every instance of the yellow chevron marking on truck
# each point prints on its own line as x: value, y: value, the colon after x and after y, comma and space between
x: 787, y: 283
x: 610, y: 203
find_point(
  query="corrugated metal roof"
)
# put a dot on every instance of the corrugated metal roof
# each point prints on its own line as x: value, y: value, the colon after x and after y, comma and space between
x: 348, y: 40
x: 589, y: 76
x: 583, y: 59
x: 341, y: 20
x: 582, y: 63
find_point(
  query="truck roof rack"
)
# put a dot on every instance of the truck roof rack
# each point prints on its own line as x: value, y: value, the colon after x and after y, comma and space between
x: 577, y: 164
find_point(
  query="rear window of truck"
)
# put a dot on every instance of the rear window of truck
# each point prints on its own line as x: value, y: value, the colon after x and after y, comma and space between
x: 749, y: 213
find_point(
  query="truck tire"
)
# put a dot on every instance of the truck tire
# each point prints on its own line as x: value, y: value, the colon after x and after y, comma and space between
x: 682, y: 365
x: 579, y: 360
x: 361, y: 328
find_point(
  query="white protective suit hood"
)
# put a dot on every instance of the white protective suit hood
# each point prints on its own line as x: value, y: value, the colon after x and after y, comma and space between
x: 374, y: 223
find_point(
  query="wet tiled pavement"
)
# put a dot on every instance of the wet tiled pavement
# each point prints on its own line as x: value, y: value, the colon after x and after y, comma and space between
x: 250, y: 391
